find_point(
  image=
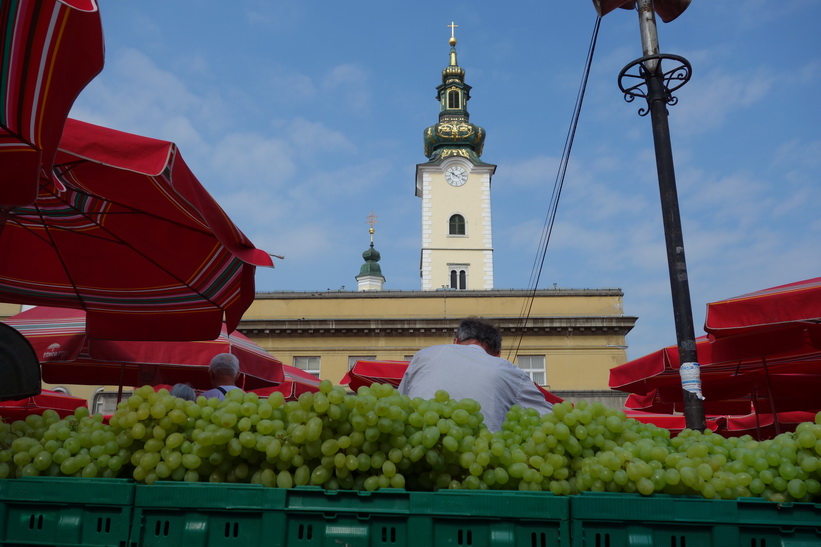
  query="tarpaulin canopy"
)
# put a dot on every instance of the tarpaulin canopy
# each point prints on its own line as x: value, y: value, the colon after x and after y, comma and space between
x: 49, y: 51
x: 128, y: 233
x: 296, y: 382
x: 365, y: 373
x: 61, y: 403
x: 68, y: 356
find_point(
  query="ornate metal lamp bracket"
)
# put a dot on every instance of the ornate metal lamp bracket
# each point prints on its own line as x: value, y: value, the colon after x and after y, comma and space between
x: 638, y: 83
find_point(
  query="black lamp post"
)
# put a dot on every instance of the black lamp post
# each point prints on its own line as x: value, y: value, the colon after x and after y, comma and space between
x: 646, y: 78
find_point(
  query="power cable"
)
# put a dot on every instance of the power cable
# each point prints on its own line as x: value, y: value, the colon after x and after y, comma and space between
x: 547, y: 230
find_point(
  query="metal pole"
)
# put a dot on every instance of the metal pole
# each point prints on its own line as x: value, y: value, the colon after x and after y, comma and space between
x: 658, y: 96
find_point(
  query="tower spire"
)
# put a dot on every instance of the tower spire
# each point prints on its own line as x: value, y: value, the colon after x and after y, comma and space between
x: 454, y: 134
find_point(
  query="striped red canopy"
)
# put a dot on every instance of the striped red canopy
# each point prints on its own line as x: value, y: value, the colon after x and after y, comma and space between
x: 49, y: 51
x: 68, y: 356
x: 127, y: 232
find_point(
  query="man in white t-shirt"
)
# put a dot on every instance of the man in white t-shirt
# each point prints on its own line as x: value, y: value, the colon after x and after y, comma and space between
x: 471, y: 368
x: 224, y: 371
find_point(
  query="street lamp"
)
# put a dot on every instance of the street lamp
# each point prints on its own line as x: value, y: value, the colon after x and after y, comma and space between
x: 646, y: 78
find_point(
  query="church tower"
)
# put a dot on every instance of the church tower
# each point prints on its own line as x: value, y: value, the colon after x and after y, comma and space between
x: 454, y: 184
x: 370, y: 276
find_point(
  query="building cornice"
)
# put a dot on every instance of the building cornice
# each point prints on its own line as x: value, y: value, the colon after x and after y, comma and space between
x: 439, y: 293
x: 612, y: 325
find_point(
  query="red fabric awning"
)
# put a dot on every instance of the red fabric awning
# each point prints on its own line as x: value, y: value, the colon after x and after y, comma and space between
x: 68, y: 356
x: 792, y: 304
x: 61, y: 403
x: 295, y: 383
x: 127, y: 232
x: 50, y: 50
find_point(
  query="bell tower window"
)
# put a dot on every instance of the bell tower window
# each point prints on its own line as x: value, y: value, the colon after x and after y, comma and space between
x: 458, y: 277
x: 453, y: 99
x: 456, y: 225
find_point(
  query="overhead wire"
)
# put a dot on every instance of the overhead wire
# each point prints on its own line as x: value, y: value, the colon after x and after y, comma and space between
x: 550, y: 219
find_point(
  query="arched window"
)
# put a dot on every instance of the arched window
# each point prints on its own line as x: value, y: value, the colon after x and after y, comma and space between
x: 453, y: 99
x: 458, y: 278
x: 456, y: 225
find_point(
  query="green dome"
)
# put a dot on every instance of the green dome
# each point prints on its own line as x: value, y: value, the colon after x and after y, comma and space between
x: 370, y: 267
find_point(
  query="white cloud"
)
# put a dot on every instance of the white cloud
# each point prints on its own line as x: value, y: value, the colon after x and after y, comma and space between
x: 348, y: 85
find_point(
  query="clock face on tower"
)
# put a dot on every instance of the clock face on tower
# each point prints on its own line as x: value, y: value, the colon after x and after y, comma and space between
x: 456, y: 175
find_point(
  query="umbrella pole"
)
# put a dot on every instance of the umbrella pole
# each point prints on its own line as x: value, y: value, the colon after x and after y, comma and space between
x: 657, y: 86
x: 770, y: 395
x: 757, y: 417
x: 120, y: 387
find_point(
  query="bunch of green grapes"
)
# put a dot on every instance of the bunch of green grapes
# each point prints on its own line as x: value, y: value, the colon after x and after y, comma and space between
x: 590, y: 448
x: 378, y: 438
x: 78, y: 445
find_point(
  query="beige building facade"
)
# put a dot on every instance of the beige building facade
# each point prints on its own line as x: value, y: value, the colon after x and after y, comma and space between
x: 568, y: 343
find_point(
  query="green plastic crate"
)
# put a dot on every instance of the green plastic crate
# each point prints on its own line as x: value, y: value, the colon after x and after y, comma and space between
x: 312, y: 517
x: 184, y: 514
x: 222, y: 515
x: 611, y: 520
x: 66, y: 511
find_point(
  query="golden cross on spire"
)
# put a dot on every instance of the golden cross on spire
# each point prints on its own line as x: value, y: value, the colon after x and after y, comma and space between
x: 452, y: 27
x: 370, y: 222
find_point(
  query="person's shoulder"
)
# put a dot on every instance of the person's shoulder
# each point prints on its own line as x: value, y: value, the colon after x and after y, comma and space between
x: 435, y: 349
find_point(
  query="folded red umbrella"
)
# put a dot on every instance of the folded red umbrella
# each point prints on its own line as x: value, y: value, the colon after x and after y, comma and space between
x: 62, y: 403
x: 793, y: 304
x: 296, y: 382
x: 68, y: 356
x: 675, y: 423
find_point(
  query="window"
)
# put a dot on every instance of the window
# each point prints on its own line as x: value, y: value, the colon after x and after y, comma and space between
x: 456, y: 225
x: 354, y: 358
x: 453, y: 99
x: 105, y: 402
x: 534, y: 366
x: 458, y: 278
x: 308, y: 364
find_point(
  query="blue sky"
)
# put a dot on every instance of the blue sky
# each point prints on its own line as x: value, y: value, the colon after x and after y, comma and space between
x: 301, y: 117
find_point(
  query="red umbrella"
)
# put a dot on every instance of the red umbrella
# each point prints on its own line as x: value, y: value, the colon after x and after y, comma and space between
x: 789, y: 380
x: 296, y: 382
x: 68, y: 356
x: 365, y: 373
x: 793, y: 304
x: 134, y: 239
x: 63, y: 404
x: 666, y: 9
x: 765, y: 426
x: 50, y: 50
